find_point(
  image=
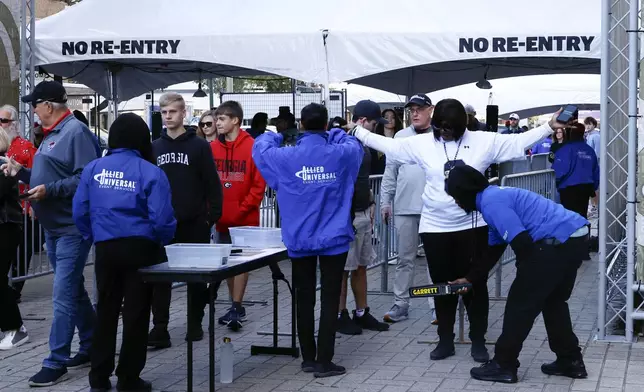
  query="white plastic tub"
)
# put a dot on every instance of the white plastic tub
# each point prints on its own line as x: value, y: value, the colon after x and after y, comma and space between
x: 256, y: 237
x: 198, y: 255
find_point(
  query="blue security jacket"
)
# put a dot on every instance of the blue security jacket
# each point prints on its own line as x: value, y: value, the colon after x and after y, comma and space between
x: 542, y: 147
x: 122, y: 195
x: 509, y: 211
x: 314, y: 181
x: 575, y: 164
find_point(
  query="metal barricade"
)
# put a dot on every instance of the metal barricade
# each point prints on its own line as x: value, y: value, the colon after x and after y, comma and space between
x: 541, y: 182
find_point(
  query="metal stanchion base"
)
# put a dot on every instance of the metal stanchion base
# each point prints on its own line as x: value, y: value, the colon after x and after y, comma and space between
x: 288, y: 334
x: 488, y: 342
x: 389, y: 293
x: 245, y: 303
x: 34, y: 318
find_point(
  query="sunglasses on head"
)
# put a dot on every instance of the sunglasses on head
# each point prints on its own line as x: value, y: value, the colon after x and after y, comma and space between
x: 206, y: 124
x: 5, y: 121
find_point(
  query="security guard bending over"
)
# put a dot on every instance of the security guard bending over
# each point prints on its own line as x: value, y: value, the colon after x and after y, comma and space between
x: 549, y: 243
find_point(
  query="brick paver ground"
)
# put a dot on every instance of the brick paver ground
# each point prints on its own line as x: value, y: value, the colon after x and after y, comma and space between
x: 392, y: 361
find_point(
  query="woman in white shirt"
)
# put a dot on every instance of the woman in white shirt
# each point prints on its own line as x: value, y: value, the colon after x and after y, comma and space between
x: 454, y: 240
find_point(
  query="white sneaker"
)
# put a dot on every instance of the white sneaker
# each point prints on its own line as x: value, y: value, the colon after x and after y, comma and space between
x: 421, y: 252
x: 393, y: 262
x: 13, y: 339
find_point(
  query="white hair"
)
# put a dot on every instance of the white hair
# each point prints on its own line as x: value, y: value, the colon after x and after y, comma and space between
x: 13, y: 113
x: 58, y: 106
x: 4, y: 141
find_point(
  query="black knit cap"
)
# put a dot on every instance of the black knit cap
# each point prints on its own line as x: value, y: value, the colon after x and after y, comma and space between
x: 131, y: 132
x: 463, y: 184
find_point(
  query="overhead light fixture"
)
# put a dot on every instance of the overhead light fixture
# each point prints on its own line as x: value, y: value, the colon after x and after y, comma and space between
x: 484, y: 84
x: 199, y: 93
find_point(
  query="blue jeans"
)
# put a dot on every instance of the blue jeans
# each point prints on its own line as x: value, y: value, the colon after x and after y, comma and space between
x: 72, y: 307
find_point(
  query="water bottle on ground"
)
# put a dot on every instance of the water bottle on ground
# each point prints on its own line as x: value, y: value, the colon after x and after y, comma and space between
x: 226, y: 362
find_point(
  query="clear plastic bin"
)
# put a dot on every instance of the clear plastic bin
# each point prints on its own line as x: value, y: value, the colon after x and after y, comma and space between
x: 198, y: 255
x: 256, y: 237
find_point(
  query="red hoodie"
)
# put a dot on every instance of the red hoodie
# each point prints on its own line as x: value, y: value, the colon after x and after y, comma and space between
x: 243, y: 186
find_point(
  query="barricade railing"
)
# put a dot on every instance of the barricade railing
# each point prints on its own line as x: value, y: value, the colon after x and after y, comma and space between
x: 541, y: 182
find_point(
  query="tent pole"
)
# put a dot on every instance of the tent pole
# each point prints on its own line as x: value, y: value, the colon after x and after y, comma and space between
x: 114, y: 92
x: 633, y: 60
x: 211, y: 93
x: 327, y: 89
x: 603, y: 166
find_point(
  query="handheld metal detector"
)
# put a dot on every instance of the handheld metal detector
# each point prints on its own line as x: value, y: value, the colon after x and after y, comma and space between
x: 435, y: 290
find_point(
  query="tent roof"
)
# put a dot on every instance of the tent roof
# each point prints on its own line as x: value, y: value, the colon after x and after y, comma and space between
x: 527, y: 96
x: 154, y: 44
x: 430, y: 45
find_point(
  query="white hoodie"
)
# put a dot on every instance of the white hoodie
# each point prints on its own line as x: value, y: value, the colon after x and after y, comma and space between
x: 477, y: 149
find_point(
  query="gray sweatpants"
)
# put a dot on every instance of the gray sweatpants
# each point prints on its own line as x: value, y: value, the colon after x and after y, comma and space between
x: 407, y: 239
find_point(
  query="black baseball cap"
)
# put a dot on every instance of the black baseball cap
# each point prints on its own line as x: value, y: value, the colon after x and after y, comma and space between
x: 420, y: 100
x: 46, y: 91
x: 370, y: 110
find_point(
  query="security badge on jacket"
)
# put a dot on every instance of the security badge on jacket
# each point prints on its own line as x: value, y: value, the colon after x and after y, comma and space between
x: 449, y: 165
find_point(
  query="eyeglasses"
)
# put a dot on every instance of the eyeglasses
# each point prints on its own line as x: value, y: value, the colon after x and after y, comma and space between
x: 206, y: 124
x: 6, y: 121
x: 420, y: 109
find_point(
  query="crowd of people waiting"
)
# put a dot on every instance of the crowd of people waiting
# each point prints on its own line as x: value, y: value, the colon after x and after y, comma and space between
x: 143, y: 194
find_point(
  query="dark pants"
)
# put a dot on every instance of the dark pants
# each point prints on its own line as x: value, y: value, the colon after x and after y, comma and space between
x: 305, y: 281
x: 543, y: 285
x: 186, y: 233
x: 9, y: 240
x: 449, y: 257
x: 32, y: 238
x: 575, y: 198
x: 118, y: 281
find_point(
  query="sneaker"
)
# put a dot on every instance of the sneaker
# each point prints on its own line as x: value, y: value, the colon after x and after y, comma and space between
x: 367, y: 321
x: 159, y: 338
x: 479, y: 351
x: 329, y: 370
x: 136, y: 386
x: 225, y: 319
x: 346, y: 326
x: 194, y: 334
x: 79, y: 361
x: 234, y: 318
x: 572, y: 369
x: 393, y: 262
x: 397, y: 313
x: 492, y: 371
x: 421, y: 252
x: 13, y: 339
x: 47, y: 377
x: 444, y: 349
x: 309, y: 366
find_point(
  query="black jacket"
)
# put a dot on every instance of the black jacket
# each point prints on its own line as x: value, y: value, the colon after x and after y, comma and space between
x: 190, y: 167
x: 362, y: 189
x: 10, y: 210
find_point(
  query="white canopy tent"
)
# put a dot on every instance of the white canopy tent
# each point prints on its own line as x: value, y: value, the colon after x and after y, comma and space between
x: 150, y: 44
x: 527, y: 96
x: 432, y: 45
x: 438, y: 44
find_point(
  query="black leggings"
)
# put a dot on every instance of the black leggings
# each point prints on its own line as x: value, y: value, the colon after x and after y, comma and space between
x: 575, y: 198
x: 449, y: 257
x: 305, y: 280
x: 9, y: 239
x: 118, y: 281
